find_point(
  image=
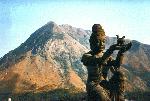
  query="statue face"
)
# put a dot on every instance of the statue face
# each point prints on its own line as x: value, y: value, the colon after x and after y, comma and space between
x: 101, y: 42
x: 101, y: 37
x: 97, y: 43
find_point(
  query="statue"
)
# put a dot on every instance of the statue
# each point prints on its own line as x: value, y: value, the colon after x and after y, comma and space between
x: 98, y: 63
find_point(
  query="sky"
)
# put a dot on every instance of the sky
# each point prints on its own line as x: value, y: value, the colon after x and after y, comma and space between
x: 20, y: 18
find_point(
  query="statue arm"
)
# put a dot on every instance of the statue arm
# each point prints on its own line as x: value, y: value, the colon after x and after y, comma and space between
x: 108, y: 53
x: 89, y: 59
x: 119, y: 59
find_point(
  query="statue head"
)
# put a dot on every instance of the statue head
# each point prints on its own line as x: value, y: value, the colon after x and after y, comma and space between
x: 97, y: 38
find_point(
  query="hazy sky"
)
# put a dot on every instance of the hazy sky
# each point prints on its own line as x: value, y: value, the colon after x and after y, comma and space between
x: 20, y: 18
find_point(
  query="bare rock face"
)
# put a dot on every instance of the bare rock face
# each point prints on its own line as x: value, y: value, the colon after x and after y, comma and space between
x: 50, y: 59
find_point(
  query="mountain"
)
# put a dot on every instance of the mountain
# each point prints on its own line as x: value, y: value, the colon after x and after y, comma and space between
x: 50, y: 59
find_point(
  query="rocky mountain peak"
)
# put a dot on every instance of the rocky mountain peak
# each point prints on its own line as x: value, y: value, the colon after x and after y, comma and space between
x: 48, y: 59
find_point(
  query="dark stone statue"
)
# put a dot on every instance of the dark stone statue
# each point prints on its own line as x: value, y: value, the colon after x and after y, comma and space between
x: 98, y: 63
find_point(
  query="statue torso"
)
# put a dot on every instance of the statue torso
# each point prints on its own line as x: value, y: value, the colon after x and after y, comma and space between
x: 94, y: 70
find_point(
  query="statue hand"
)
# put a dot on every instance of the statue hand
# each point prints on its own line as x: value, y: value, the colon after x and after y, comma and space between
x: 126, y: 47
x: 114, y: 47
